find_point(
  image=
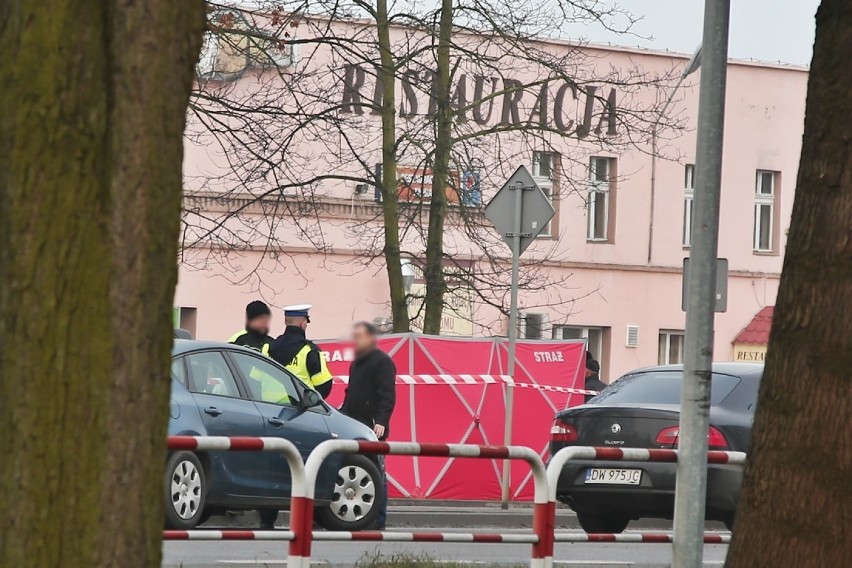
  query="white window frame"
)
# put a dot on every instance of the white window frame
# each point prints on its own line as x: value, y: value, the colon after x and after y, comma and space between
x: 598, y: 187
x: 585, y: 332
x: 688, y: 202
x: 545, y: 182
x: 762, y: 200
x: 667, y: 335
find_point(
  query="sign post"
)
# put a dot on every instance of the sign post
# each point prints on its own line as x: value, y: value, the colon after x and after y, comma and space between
x: 519, y: 211
x: 691, y: 487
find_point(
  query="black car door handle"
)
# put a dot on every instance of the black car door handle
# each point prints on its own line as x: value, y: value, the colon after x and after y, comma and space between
x: 212, y: 411
x: 276, y: 422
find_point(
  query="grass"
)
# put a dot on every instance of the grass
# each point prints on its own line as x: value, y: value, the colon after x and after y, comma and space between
x: 405, y: 560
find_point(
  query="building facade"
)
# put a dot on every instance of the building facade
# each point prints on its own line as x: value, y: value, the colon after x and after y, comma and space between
x: 610, y: 263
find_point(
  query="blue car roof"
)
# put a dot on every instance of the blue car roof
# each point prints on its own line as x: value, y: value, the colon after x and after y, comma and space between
x: 181, y: 346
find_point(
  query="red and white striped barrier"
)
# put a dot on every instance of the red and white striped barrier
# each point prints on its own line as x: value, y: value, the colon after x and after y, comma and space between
x: 636, y: 538
x: 559, y: 459
x: 227, y: 535
x: 541, y: 538
x: 377, y: 536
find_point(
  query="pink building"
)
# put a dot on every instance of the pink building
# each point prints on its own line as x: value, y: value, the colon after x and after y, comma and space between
x: 612, y: 255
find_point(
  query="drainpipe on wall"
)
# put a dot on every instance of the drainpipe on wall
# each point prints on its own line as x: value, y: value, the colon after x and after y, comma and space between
x: 691, y: 67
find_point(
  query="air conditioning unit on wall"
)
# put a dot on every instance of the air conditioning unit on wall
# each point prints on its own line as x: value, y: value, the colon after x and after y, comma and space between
x: 632, y: 339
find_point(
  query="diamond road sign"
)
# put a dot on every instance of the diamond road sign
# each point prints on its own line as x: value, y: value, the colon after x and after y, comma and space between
x: 536, y: 209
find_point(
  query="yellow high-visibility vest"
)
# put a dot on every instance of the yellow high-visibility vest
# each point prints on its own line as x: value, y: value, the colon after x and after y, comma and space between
x: 299, y: 367
x: 264, y: 350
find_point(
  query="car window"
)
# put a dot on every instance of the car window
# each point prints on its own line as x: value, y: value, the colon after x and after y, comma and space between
x: 659, y: 387
x: 211, y: 375
x: 266, y: 382
x: 179, y: 371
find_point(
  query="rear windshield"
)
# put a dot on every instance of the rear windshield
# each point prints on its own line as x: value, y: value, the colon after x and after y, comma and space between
x: 659, y: 387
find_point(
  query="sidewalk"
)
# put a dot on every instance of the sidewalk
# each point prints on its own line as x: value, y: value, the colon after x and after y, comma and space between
x: 415, y: 513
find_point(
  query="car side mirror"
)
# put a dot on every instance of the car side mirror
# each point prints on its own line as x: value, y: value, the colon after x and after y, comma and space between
x: 310, y: 399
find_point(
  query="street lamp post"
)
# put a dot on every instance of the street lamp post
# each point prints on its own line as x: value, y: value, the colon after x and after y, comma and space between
x: 691, y: 67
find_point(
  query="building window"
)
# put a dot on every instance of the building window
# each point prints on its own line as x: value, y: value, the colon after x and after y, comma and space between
x: 764, y: 211
x: 533, y: 325
x: 543, y: 172
x: 599, y: 203
x: 688, y: 195
x: 671, y: 348
x: 597, y: 341
x: 185, y: 318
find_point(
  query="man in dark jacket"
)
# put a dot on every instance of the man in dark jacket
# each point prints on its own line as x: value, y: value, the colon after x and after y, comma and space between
x: 256, y: 332
x: 371, y: 394
x: 593, y: 381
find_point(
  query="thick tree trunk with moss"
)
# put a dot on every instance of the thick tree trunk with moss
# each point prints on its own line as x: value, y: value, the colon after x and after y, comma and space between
x: 93, y: 108
x: 388, y: 185
x: 795, y: 506
x: 434, y: 270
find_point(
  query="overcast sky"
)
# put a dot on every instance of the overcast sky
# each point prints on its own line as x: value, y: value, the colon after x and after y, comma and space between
x: 768, y: 30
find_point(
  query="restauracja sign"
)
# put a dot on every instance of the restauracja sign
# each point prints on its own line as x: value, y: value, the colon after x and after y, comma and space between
x: 486, y: 100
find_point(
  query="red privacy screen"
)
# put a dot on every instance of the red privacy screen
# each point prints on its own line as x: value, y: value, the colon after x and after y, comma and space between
x: 453, y: 390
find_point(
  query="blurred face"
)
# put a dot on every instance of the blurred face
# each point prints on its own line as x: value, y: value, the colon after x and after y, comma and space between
x: 260, y: 324
x: 362, y: 339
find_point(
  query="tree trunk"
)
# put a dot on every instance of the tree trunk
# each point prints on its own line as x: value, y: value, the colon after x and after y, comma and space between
x: 93, y: 107
x: 794, y: 510
x: 434, y: 270
x: 390, y: 195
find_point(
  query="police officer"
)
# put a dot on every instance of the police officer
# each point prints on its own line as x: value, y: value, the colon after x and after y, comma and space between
x: 301, y: 357
x: 256, y: 332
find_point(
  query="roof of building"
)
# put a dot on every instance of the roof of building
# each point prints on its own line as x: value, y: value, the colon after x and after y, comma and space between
x: 757, y: 331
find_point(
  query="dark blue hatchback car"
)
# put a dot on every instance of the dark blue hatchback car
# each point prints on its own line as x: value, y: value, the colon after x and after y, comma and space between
x: 226, y: 390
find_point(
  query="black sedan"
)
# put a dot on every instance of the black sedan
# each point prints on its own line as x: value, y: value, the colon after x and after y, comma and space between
x: 641, y: 410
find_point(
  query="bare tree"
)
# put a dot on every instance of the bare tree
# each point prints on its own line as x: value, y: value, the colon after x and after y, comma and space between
x: 94, y: 103
x: 478, y: 92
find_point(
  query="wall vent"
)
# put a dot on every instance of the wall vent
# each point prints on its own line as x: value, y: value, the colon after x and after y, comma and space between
x: 632, y: 336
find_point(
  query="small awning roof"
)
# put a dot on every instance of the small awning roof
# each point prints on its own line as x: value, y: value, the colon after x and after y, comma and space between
x: 757, y: 331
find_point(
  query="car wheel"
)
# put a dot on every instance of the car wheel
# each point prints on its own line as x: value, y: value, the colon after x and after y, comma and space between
x: 358, y: 490
x: 185, y: 490
x: 597, y: 523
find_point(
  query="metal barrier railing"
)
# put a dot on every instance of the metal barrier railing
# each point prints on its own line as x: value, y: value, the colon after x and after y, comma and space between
x: 542, y: 537
x: 240, y: 444
x: 562, y: 457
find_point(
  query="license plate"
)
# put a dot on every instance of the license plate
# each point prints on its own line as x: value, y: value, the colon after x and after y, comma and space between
x: 614, y: 476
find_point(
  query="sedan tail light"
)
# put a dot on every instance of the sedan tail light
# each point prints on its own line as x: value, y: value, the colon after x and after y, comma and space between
x: 668, y: 437
x: 562, y: 432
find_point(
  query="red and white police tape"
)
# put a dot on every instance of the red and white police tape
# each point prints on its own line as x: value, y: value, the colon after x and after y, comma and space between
x: 542, y: 537
x: 474, y: 380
